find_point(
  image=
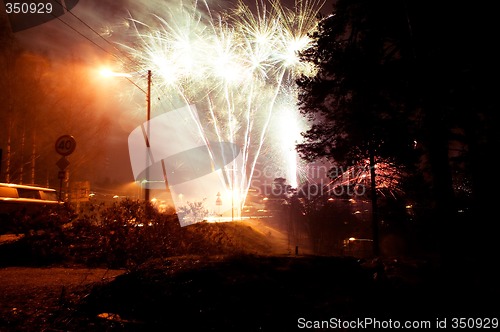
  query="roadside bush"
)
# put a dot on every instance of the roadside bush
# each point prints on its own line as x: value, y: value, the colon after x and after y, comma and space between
x: 48, y: 218
x: 44, y: 238
x: 126, y: 234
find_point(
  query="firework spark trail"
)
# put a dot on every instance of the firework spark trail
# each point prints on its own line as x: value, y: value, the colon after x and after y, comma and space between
x: 232, y: 65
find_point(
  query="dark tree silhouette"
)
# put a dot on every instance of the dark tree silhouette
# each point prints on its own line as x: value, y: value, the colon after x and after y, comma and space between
x: 356, y: 100
x: 399, y: 80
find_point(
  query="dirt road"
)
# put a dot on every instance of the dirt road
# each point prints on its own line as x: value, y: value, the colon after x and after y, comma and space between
x: 32, y: 296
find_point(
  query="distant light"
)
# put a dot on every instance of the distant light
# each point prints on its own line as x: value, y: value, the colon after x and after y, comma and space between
x: 106, y: 72
x: 352, y: 239
x: 116, y: 196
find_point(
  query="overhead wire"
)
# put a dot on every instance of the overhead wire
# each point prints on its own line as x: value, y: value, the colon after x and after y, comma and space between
x: 109, y: 43
x: 96, y: 44
x: 119, y: 58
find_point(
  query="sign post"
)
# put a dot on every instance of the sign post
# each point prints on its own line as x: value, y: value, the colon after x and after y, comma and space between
x: 65, y: 145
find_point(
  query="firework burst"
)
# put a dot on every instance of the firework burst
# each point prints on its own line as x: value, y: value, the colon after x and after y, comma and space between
x: 238, y: 67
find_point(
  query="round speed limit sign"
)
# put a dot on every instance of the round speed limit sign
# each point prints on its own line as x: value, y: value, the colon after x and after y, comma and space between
x: 65, y: 145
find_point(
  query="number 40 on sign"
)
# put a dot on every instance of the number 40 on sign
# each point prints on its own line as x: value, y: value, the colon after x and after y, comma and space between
x: 65, y: 145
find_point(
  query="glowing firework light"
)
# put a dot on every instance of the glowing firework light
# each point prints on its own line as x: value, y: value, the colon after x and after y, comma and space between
x: 239, y: 68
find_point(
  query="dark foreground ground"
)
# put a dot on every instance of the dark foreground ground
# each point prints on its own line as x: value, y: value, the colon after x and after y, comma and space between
x: 257, y: 284
x: 244, y: 293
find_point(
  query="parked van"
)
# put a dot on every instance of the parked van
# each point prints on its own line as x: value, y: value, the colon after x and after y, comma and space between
x: 16, y: 197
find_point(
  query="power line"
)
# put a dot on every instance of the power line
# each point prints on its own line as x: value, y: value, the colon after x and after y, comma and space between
x: 106, y: 41
x: 99, y: 35
x: 94, y: 43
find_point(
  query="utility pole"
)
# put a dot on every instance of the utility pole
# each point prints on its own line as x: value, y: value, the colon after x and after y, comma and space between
x: 232, y: 194
x: 148, y: 100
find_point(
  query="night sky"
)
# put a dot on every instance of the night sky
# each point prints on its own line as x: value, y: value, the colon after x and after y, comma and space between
x: 71, y: 37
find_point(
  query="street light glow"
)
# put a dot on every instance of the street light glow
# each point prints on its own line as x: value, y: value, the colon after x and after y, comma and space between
x: 106, y: 72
